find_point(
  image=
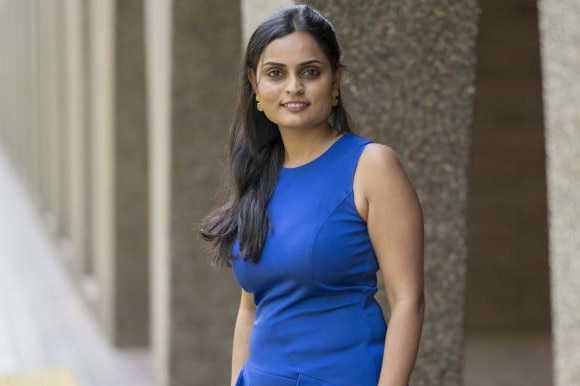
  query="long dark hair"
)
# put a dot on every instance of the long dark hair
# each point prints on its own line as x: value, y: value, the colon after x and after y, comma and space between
x: 255, y: 148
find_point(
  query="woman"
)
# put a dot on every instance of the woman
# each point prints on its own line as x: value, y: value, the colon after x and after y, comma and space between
x: 315, y: 211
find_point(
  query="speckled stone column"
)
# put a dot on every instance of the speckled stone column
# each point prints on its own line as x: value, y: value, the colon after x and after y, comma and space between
x: 410, y: 84
x: 206, y: 54
x: 195, y: 304
x: 560, y: 43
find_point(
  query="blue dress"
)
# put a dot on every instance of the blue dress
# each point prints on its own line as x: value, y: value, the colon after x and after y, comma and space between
x: 317, y: 322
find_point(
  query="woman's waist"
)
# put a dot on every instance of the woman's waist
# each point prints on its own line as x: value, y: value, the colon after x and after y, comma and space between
x: 310, y: 332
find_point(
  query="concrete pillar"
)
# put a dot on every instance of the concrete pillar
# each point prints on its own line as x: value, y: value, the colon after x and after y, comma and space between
x: 102, y: 160
x: 36, y: 112
x: 41, y: 148
x: 51, y: 123
x: 27, y: 93
x: 560, y: 37
x: 409, y: 83
x: 17, y: 91
x: 158, y: 37
x: 87, y: 254
x: 119, y: 170
x: 75, y: 133
x: 62, y: 138
x: 43, y: 129
x: 193, y: 73
x: 131, y: 177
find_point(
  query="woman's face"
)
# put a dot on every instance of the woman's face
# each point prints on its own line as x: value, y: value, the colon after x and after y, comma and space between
x: 295, y: 81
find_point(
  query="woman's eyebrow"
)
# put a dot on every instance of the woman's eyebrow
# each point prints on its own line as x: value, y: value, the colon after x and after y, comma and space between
x: 269, y: 63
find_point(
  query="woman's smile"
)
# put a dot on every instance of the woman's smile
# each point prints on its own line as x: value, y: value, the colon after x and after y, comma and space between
x: 295, y: 107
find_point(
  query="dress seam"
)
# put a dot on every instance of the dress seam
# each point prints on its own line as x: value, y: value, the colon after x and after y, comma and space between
x: 317, y: 233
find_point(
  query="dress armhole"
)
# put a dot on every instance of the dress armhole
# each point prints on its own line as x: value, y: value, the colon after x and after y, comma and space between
x: 360, y: 151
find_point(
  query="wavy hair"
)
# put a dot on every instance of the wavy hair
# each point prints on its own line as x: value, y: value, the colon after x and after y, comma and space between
x: 255, y: 148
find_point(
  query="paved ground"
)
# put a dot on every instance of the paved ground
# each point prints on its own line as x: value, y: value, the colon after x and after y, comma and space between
x: 44, y: 326
x: 508, y: 359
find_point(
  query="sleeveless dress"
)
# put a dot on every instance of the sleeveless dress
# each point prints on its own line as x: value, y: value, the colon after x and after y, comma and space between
x: 317, y: 322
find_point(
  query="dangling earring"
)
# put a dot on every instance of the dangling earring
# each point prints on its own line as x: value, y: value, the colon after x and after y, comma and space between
x: 335, y: 97
x: 259, y: 104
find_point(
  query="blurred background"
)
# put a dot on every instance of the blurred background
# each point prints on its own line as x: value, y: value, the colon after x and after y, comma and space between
x: 114, y: 116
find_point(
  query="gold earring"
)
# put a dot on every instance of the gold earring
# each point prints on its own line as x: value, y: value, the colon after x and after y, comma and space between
x: 335, y: 97
x: 259, y: 104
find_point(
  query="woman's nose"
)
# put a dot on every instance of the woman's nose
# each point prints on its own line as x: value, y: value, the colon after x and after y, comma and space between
x: 295, y: 85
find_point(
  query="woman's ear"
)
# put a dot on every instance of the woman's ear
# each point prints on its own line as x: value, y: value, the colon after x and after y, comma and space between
x: 253, y: 80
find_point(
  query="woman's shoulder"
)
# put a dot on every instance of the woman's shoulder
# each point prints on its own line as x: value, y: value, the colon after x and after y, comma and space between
x: 379, y: 154
x: 379, y: 164
x: 371, y: 146
x: 373, y: 154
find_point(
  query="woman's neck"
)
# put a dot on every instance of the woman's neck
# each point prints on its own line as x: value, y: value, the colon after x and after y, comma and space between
x: 302, y: 146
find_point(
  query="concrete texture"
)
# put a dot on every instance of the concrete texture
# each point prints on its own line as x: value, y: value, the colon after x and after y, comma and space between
x: 560, y: 42
x: 507, y: 211
x: 192, y: 342
x: 206, y: 54
x: 131, y: 178
x: 409, y: 83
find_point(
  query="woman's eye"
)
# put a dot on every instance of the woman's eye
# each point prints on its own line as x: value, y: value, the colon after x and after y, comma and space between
x: 311, y: 72
x: 274, y: 73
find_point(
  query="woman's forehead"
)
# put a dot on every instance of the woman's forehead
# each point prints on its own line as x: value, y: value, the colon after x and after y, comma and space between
x: 295, y: 48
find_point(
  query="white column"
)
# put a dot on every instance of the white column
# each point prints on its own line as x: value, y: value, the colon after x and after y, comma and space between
x: 75, y: 131
x: 50, y: 122
x: 27, y: 103
x: 36, y: 100
x: 159, y: 53
x: 102, y: 162
x: 62, y: 122
x: 18, y: 90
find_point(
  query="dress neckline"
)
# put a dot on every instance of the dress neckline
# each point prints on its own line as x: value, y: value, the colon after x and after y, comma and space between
x: 319, y: 158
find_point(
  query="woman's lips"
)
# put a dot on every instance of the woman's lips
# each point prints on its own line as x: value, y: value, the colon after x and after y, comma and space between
x: 295, y: 106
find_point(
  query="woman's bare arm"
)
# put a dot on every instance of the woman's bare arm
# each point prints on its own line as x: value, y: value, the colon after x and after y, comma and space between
x: 242, y: 332
x: 395, y: 222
